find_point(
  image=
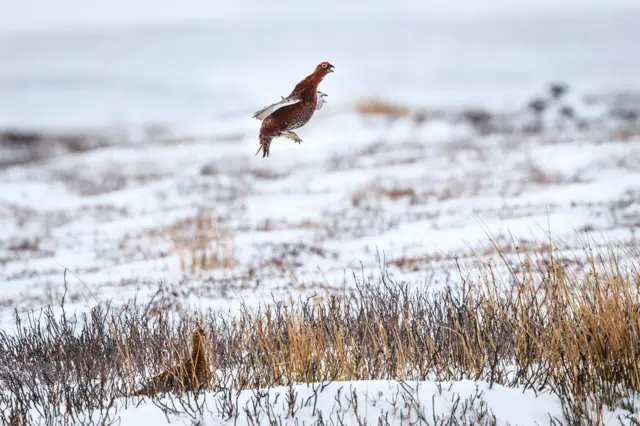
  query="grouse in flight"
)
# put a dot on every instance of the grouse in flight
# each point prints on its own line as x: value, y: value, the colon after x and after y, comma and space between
x: 294, y: 111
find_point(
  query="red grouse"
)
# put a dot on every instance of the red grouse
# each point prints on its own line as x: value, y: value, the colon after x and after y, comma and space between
x: 193, y: 374
x: 294, y: 111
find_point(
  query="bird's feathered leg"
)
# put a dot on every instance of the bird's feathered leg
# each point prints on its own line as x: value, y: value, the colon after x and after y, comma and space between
x: 321, y: 100
x: 292, y: 135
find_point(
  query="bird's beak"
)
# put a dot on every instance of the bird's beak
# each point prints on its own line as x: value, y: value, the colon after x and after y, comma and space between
x: 330, y: 69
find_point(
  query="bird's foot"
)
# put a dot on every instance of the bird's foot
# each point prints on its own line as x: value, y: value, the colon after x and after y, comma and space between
x: 292, y: 136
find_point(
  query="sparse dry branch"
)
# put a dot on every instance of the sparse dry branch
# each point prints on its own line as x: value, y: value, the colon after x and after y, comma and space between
x: 546, y: 327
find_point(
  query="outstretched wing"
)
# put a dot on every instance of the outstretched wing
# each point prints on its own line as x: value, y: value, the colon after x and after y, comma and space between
x: 261, y: 114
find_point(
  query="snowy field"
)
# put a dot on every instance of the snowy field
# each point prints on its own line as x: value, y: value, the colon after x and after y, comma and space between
x: 140, y: 174
x: 388, y: 402
x: 132, y: 216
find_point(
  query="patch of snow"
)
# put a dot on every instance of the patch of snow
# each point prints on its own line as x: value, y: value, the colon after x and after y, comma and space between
x: 397, y: 403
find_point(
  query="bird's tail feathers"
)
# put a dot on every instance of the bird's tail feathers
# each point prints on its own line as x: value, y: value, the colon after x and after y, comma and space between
x: 265, y: 143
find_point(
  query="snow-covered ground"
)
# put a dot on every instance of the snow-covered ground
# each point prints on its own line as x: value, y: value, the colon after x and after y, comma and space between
x: 169, y: 102
x: 123, y: 218
x: 373, y: 402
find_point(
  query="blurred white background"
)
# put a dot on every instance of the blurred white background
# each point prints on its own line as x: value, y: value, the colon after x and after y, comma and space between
x: 21, y: 14
x: 87, y: 63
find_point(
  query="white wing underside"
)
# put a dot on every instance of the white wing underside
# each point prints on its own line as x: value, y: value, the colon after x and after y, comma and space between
x: 261, y: 114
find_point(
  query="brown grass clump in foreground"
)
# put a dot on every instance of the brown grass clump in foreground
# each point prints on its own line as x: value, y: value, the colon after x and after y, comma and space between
x: 543, y: 327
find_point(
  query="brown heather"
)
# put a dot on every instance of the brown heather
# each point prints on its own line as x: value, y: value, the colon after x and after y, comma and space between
x: 553, y: 324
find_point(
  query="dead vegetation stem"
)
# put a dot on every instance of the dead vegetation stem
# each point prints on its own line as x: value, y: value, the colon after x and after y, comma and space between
x: 573, y: 333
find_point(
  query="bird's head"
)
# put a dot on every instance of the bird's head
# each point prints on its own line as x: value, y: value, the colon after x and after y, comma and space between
x: 324, y: 68
x: 198, y: 334
x: 197, y: 342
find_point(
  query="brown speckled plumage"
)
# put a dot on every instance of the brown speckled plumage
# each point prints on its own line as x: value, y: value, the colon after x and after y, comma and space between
x: 292, y: 112
x: 193, y: 374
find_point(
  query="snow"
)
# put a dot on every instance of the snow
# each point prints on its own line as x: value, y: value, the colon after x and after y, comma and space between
x: 397, y: 403
x: 324, y: 206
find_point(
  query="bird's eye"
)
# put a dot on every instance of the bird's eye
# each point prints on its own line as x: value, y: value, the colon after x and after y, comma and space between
x: 324, y: 65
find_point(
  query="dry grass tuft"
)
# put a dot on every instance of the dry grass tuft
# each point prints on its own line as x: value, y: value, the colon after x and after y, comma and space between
x: 203, y: 244
x: 380, y: 107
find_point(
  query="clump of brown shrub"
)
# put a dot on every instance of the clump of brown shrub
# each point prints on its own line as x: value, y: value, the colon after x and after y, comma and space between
x: 542, y: 326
